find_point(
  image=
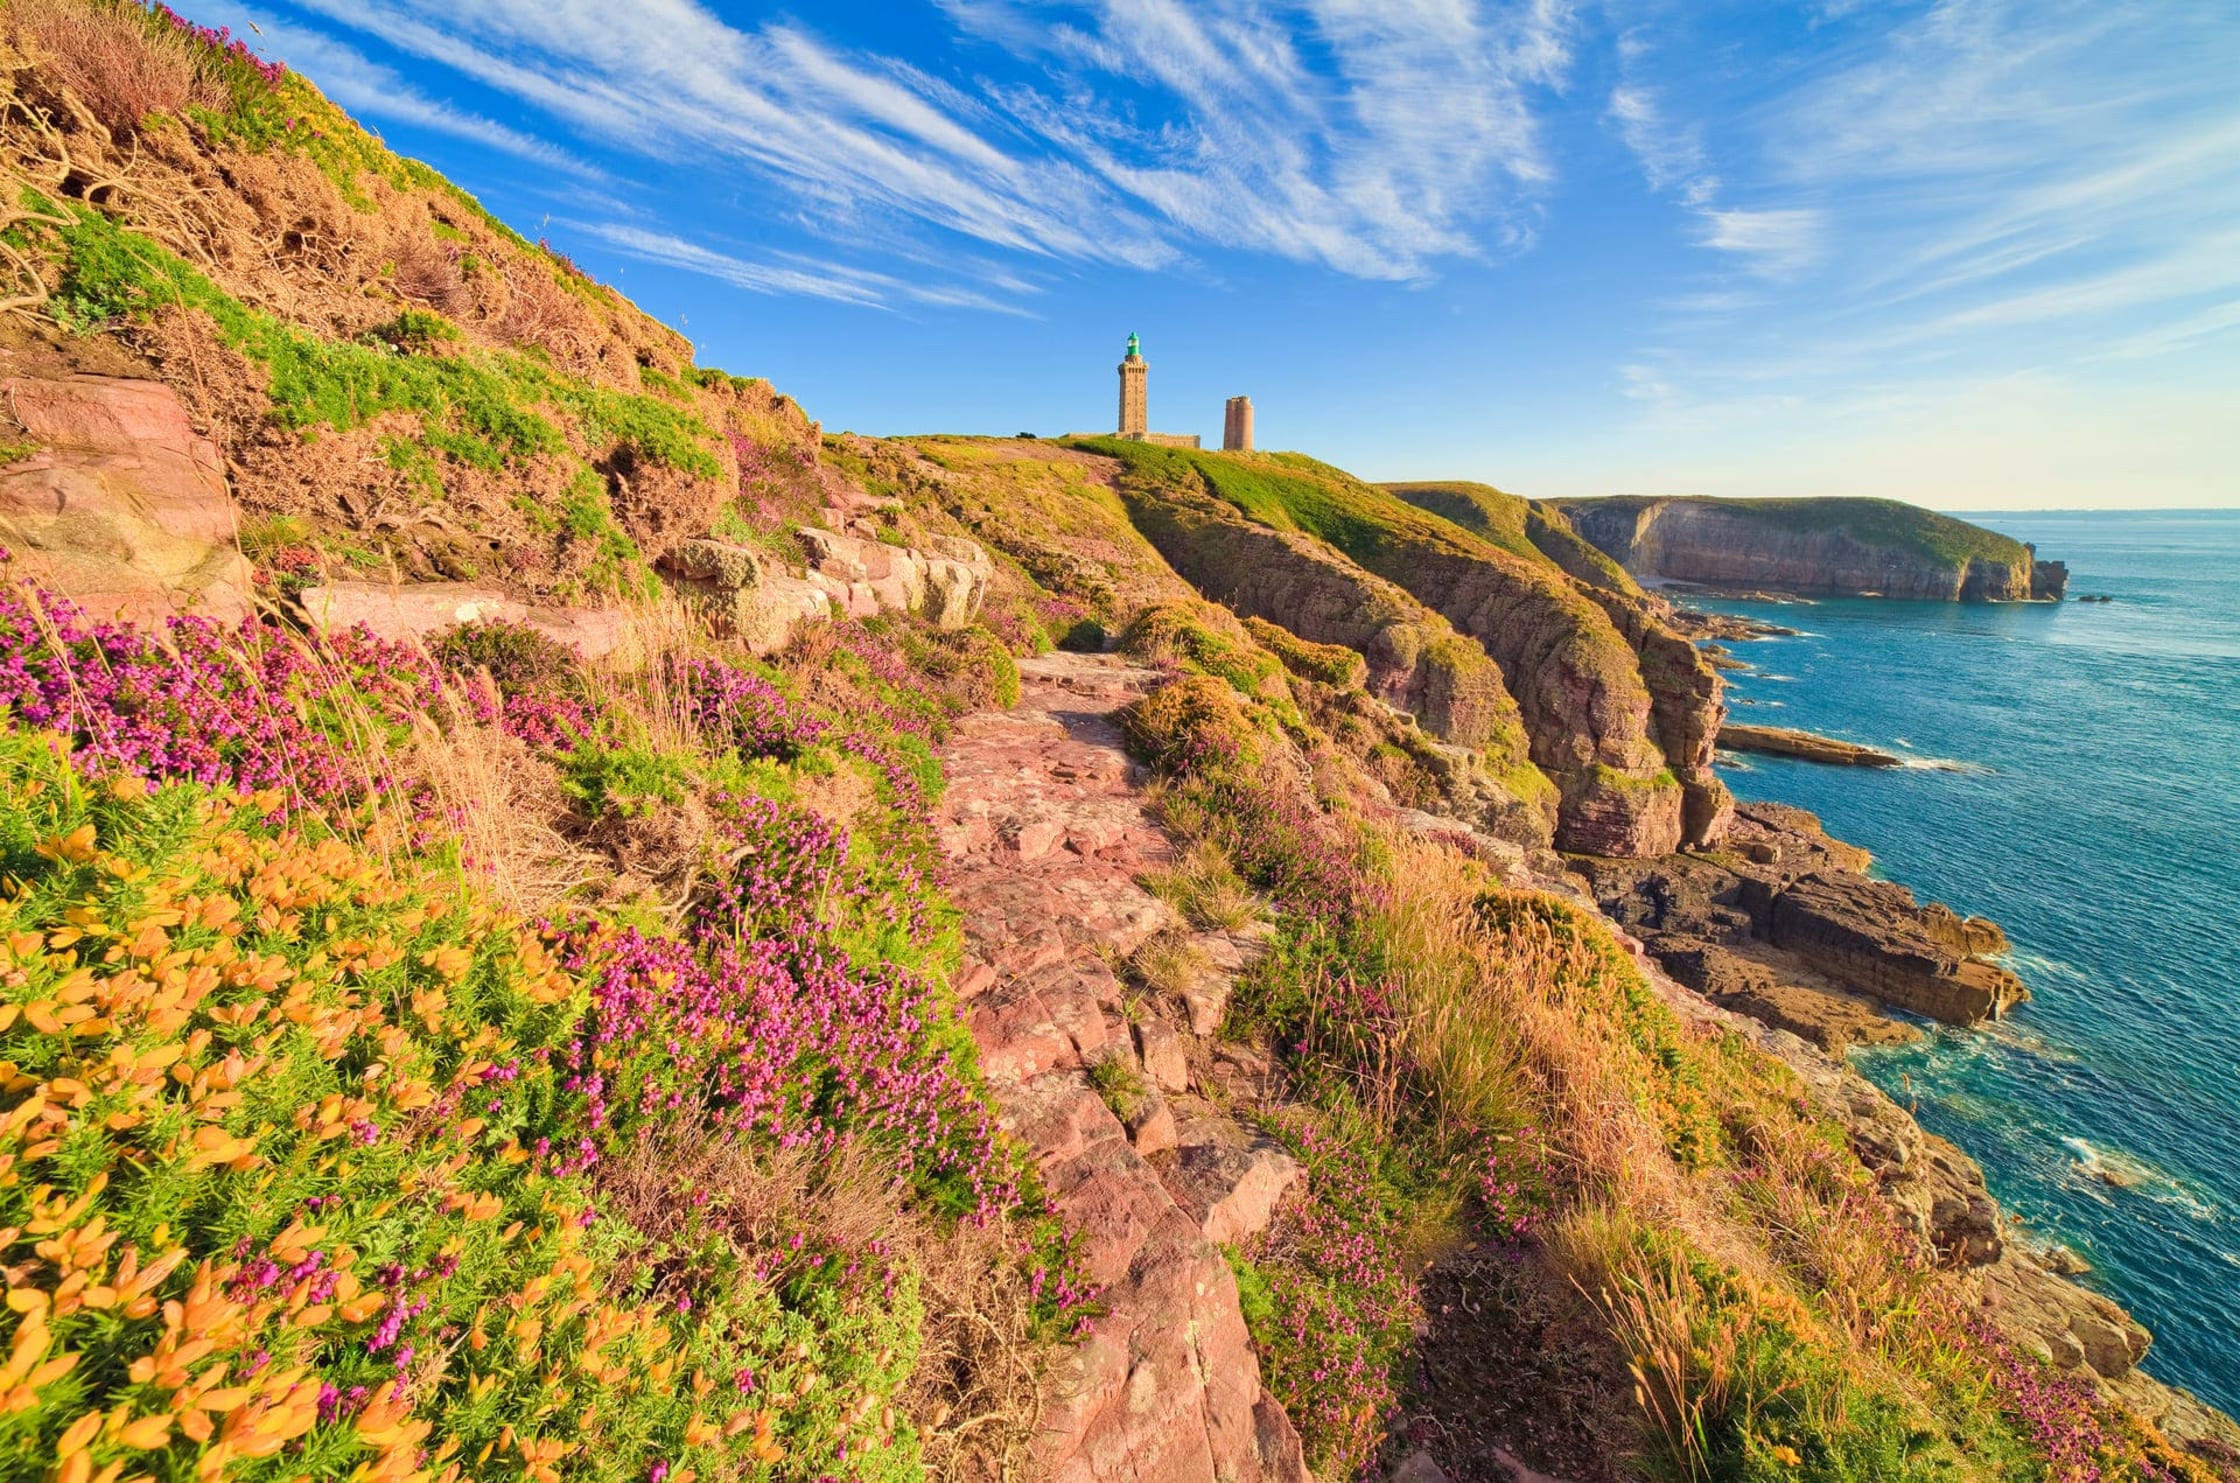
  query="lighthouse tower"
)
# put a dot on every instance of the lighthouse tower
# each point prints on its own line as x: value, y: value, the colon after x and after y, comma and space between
x: 1135, y: 395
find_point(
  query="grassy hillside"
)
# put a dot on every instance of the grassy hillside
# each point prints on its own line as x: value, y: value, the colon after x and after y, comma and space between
x: 1524, y: 527
x: 404, y: 378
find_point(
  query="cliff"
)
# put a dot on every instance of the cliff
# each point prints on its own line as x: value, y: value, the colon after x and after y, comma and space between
x: 1831, y: 547
x: 1618, y: 711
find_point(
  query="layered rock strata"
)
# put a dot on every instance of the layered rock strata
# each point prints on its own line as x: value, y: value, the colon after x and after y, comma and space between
x: 1044, y: 826
x: 1834, y: 547
x: 1782, y: 741
x: 1785, y: 908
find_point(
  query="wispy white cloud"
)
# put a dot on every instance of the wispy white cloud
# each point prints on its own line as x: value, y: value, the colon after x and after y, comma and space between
x: 1776, y: 241
x: 791, y: 274
x: 1981, y: 184
x: 1373, y: 138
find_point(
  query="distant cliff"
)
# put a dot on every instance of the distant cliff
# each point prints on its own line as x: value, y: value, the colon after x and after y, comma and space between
x: 1833, y: 547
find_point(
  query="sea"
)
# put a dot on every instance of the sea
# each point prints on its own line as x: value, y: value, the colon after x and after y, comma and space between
x: 2074, y: 774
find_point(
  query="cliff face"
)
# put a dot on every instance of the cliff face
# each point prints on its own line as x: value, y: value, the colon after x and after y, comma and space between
x: 1414, y: 660
x: 1618, y: 711
x: 1835, y: 547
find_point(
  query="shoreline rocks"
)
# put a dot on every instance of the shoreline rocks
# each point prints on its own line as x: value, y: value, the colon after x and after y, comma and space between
x: 1784, y: 907
x: 1805, y: 746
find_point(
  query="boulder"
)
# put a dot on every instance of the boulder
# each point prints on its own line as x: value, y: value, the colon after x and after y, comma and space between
x: 123, y: 508
x: 743, y: 594
x: 1166, y: 1059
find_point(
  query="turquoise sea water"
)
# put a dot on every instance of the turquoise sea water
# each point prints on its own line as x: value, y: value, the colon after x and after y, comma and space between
x: 2081, y: 786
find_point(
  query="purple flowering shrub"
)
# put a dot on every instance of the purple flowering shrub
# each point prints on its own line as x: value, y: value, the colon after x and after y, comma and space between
x: 1337, y: 1305
x: 2065, y: 1419
x: 251, y: 708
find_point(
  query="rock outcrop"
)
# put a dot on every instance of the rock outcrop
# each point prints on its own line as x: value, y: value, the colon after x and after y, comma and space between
x: 1836, y: 547
x: 1871, y: 936
x: 750, y: 595
x: 1415, y: 661
x: 122, y: 507
x: 1046, y: 833
x: 1784, y: 921
x: 1782, y: 741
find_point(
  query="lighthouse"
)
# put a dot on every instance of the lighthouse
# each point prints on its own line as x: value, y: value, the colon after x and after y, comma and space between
x: 1135, y: 394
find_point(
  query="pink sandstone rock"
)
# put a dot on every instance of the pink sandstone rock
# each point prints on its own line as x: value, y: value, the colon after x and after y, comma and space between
x: 415, y: 610
x: 123, y: 509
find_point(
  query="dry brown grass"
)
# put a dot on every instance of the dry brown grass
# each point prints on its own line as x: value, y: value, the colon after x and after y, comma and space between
x: 1485, y: 1013
x: 505, y: 808
x: 1170, y: 963
x: 426, y: 271
x: 123, y: 67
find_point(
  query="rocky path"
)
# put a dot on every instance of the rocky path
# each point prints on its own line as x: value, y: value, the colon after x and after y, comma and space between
x: 1046, y: 833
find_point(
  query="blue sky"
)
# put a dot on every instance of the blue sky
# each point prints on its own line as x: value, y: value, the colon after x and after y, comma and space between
x: 1975, y: 254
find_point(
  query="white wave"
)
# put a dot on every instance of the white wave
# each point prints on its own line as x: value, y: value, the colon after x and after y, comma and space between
x: 1946, y: 764
x: 2113, y: 1170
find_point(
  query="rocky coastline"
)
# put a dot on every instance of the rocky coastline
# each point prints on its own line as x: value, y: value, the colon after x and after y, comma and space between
x: 1814, y: 547
x: 1781, y: 936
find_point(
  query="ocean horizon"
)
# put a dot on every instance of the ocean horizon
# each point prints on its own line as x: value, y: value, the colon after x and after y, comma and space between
x: 2074, y: 775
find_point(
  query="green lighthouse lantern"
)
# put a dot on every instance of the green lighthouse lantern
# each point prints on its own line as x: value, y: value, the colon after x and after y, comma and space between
x: 1133, y: 352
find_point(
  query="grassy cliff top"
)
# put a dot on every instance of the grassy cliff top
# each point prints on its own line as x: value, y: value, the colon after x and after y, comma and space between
x: 1872, y: 522
x: 1528, y: 528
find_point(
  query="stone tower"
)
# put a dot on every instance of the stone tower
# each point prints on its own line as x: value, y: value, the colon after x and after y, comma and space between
x: 1135, y: 395
x: 1236, y: 426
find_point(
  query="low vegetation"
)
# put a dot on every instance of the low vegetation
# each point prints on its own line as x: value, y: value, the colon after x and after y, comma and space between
x: 348, y: 1127
x: 1469, y: 1061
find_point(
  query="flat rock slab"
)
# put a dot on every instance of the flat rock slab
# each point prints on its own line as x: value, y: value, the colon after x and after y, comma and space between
x: 123, y: 506
x: 412, y: 611
x: 1045, y: 832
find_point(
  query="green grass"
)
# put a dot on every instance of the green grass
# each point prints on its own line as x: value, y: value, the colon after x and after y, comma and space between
x: 1117, y: 1081
x: 1522, y: 527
